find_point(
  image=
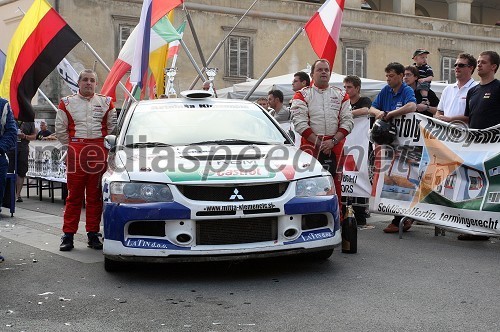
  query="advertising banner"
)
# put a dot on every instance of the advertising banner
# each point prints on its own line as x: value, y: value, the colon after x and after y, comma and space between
x: 440, y: 173
x: 355, y: 161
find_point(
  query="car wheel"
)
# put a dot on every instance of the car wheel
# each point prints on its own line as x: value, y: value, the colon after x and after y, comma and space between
x: 111, y: 265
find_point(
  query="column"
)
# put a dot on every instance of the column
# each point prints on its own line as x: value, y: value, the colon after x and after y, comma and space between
x: 459, y: 10
x: 403, y: 7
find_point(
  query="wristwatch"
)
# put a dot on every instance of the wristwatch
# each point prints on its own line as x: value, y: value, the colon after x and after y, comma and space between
x: 334, y: 140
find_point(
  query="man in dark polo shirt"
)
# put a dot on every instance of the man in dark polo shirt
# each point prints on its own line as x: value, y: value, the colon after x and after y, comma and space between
x: 483, y: 105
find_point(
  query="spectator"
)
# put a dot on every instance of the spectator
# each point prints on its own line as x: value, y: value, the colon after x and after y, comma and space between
x: 44, y: 133
x: 262, y: 101
x: 482, y: 106
x: 26, y: 133
x: 8, y: 132
x: 396, y: 98
x: 360, y: 107
x: 451, y: 107
x: 322, y: 115
x: 425, y: 75
x: 429, y: 108
x: 208, y: 86
x: 300, y: 80
x: 281, y: 112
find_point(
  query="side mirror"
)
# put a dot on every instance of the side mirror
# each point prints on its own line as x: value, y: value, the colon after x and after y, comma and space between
x: 110, y: 142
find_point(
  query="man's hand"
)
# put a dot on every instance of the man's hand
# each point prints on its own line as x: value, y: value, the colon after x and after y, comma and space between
x: 327, y: 146
x: 378, y: 114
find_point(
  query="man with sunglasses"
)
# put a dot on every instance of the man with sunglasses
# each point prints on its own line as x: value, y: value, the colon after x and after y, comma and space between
x: 451, y: 107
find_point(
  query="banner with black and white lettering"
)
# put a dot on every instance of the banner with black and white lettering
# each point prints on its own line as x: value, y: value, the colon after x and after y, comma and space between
x: 355, y: 174
x: 440, y: 173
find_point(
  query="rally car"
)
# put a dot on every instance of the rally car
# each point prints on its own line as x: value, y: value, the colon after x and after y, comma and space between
x: 199, y: 179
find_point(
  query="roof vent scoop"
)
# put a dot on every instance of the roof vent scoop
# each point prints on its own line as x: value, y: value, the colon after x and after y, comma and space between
x: 196, y: 94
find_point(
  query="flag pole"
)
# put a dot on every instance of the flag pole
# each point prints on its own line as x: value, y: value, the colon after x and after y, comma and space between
x: 107, y: 68
x: 190, y: 56
x: 299, y: 31
x: 217, y: 48
x: 47, y: 99
x: 195, y: 36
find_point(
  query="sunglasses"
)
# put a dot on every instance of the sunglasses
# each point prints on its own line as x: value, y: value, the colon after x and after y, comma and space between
x: 461, y: 65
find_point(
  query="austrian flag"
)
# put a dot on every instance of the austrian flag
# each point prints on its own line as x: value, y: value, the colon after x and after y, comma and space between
x: 323, y: 29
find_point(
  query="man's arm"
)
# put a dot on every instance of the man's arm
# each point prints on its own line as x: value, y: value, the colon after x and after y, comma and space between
x: 406, y: 108
x: 61, y: 124
x: 9, y: 138
x: 111, y: 119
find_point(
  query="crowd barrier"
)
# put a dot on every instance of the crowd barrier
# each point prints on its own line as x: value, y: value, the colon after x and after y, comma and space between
x: 46, y: 169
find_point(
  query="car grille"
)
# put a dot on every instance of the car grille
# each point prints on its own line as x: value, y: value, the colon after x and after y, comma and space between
x: 234, y: 231
x: 234, y: 192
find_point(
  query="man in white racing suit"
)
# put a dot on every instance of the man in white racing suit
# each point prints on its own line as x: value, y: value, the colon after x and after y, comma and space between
x: 82, y: 122
x: 322, y: 115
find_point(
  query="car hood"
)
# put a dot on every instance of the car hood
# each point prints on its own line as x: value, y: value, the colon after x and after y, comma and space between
x: 227, y: 164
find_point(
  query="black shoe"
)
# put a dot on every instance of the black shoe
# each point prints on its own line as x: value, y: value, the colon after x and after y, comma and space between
x: 66, y: 242
x: 94, y: 241
x: 19, y: 200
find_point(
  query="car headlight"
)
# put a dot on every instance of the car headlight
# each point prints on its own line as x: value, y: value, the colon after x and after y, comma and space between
x: 318, y: 186
x: 139, y: 192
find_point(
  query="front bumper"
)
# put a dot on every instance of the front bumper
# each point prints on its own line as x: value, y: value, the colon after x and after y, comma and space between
x: 182, y: 238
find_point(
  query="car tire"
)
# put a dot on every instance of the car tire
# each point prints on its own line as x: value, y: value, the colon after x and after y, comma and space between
x: 112, y: 266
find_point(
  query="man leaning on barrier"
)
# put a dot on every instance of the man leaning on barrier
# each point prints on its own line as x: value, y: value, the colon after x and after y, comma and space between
x: 482, y: 107
x: 396, y: 98
x: 82, y: 122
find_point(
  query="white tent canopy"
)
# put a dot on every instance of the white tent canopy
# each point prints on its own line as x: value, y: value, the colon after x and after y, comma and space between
x: 369, y: 88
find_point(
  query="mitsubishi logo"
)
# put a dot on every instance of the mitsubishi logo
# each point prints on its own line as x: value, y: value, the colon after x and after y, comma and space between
x: 236, y: 195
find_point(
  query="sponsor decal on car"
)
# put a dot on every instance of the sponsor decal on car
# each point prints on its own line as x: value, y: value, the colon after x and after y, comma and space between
x: 151, y: 244
x: 239, y: 207
x: 314, y: 235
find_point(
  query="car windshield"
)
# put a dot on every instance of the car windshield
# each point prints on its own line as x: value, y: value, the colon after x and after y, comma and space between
x: 222, y: 125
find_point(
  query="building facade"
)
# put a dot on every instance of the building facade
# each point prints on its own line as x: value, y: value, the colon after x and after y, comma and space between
x: 373, y: 33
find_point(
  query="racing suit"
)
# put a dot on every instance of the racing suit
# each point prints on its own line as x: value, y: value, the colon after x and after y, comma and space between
x: 81, y: 124
x: 323, y: 112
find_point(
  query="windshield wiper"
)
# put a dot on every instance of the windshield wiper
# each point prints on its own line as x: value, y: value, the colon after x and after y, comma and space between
x: 146, y: 145
x: 231, y: 141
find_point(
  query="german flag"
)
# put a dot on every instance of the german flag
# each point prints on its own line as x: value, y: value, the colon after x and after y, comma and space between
x: 40, y: 42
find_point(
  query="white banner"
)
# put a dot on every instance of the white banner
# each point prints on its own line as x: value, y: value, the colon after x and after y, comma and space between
x: 355, y: 174
x: 447, y: 175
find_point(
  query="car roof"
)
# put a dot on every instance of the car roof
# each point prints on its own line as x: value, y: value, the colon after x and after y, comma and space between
x: 199, y: 101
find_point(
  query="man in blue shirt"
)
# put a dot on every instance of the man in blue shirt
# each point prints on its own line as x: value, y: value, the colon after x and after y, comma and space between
x: 396, y: 98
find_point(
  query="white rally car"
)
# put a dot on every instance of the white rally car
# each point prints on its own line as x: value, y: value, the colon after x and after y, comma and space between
x: 200, y: 178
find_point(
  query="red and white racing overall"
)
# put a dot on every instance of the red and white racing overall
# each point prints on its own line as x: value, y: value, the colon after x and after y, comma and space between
x: 323, y: 112
x: 81, y: 124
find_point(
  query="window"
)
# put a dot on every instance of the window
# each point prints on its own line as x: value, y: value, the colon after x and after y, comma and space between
x: 354, y: 57
x: 354, y: 61
x: 123, y: 26
x: 448, y: 58
x: 238, y: 56
x: 124, y: 32
x: 447, y: 71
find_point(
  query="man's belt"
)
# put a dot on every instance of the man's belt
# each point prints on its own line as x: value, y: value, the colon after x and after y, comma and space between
x: 86, y: 140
